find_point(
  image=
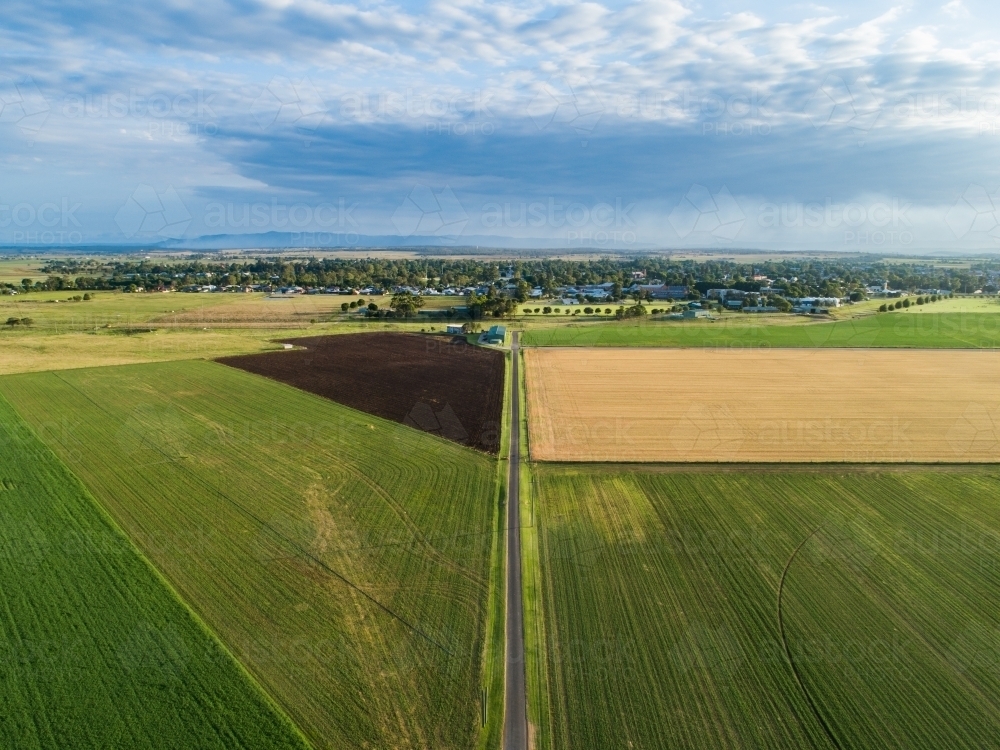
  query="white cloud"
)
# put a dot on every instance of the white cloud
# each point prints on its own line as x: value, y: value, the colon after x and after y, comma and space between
x: 955, y: 9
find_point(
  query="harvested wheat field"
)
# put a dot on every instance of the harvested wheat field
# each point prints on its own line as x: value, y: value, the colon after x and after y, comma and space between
x: 785, y: 405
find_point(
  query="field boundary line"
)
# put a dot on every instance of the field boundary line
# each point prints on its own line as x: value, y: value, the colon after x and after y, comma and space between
x: 784, y: 640
x: 805, y: 466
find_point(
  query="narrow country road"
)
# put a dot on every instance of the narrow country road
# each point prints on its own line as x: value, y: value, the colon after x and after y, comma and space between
x: 515, y: 731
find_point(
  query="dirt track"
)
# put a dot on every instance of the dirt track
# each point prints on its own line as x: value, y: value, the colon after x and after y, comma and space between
x: 434, y: 383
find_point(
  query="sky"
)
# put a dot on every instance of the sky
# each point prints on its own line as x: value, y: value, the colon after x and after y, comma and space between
x: 620, y: 126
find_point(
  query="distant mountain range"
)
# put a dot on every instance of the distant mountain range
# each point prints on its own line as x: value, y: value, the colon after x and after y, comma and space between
x: 324, y: 240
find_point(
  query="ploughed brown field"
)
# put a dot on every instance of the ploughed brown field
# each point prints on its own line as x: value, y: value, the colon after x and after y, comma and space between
x: 437, y: 384
x: 777, y: 405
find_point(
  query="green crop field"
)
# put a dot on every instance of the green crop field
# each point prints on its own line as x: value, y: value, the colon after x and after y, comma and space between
x: 343, y: 559
x: 767, y: 609
x: 923, y: 330
x: 95, y: 650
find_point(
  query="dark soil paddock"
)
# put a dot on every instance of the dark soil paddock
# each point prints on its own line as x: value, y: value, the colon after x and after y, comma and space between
x: 434, y: 383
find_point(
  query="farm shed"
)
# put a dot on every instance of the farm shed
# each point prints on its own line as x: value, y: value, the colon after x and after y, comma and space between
x: 496, y: 335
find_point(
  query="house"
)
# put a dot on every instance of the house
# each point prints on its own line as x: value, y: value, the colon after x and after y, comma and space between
x: 454, y: 328
x: 496, y: 335
x: 691, y: 313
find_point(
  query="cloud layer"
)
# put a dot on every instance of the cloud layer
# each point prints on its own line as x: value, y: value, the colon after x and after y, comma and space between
x: 525, y: 106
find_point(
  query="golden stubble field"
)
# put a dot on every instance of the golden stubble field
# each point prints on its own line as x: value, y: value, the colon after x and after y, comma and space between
x: 776, y: 405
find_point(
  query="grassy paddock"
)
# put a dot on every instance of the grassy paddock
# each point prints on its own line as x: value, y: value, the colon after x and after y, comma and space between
x: 770, y: 608
x: 95, y: 650
x: 345, y: 560
x: 925, y: 329
x: 116, y: 328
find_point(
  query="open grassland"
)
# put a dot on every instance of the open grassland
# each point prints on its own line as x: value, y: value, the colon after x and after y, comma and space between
x: 921, y: 327
x: 763, y: 406
x: 95, y: 650
x: 12, y: 271
x: 345, y: 560
x: 781, y: 609
x: 57, y: 312
x: 119, y: 329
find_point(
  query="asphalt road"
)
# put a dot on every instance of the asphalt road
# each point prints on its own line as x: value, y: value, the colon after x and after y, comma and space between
x: 515, y: 730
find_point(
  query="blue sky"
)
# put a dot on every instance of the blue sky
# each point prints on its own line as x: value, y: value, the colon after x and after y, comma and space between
x: 616, y: 125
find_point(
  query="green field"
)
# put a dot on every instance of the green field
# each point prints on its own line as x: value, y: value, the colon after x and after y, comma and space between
x: 921, y: 330
x: 95, y: 650
x: 343, y: 559
x: 768, y: 609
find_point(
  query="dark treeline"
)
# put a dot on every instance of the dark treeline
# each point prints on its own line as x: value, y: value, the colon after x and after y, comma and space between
x: 796, y: 277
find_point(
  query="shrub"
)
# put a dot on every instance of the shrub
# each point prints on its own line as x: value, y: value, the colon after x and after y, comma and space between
x: 898, y: 305
x: 920, y: 300
x: 588, y: 310
x: 86, y: 297
x: 555, y: 309
x: 361, y: 302
x: 536, y: 309
x: 353, y: 304
x: 906, y: 303
x: 882, y: 307
x: 607, y: 310
x: 546, y: 310
x: 372, y: 306
x: 344, y: 307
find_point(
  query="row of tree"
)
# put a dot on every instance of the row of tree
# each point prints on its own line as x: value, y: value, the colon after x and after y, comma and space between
x: 794, y: 277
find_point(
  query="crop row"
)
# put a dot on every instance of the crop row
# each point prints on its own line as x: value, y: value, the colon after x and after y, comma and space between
x: 342, y: 558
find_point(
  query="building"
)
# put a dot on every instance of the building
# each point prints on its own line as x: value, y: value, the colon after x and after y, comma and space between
x: 455, y: 328
x: 817, y: 301
x: 696, y: 314
x: 662, y: 291
x: 496, y: 335
x: 725, y: 294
